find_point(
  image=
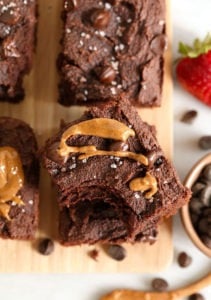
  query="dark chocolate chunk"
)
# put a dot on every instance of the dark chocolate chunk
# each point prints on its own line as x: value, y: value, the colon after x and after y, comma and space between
x: 46, y: 246
x: 107, y: 75
x: 184, y: 260
x: 159, y: 284
x: 189, y: 116
x: 100, y: 18
x: 205, y: 142
x: 118, y: 146
x: 116, y: 252
x: 196, y: 296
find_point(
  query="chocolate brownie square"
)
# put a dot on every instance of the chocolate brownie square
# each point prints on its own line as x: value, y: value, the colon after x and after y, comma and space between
x: 114, y: 182
x: 17, y: 40
x: 19, y: 176
x: 110, y: 48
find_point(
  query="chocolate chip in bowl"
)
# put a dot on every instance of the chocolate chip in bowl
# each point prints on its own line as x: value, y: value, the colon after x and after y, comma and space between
x: 196, y: 216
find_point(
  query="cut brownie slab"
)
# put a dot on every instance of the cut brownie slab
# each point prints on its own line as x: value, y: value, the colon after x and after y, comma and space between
x: 114, y: 182
x: 110, y: 48
x: 17, y: 39
x: 19, y: 176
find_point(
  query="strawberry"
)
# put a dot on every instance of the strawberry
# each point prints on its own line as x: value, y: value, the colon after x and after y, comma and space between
x: 194, y: 69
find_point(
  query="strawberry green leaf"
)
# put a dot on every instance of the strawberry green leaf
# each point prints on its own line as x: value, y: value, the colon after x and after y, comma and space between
x: 199, y: 47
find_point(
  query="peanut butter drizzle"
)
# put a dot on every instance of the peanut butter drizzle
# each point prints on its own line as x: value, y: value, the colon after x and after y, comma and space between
x: 11, y: 179
x: 143, y: 184
x: 101, y: 127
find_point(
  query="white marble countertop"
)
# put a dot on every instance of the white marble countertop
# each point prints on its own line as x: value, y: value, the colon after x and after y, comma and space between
x: 191, y: 18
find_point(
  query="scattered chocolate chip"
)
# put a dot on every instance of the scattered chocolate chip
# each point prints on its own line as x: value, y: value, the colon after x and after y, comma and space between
x: 93, y: 254
x: 189, y: 116
x: 100, y: 18
x: 205, y: 142
x: 158, y: 44
x: 116, y: 252
x: 118, y: 146
x: 196, y: 296
x: 159, y: 284
x: 107, y: 75
x: 46, y: 246
x: 184, y: 260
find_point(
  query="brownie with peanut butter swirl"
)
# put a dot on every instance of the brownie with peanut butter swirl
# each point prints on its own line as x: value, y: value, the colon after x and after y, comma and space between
x: 114, y: 182
x: 19, y: 176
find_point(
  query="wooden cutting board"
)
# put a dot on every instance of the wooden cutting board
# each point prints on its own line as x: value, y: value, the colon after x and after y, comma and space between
x: 41, y: 111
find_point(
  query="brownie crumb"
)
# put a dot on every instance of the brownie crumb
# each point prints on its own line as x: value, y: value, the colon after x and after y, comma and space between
x: 94, y: 254
x: 46, y: 246
x: 116, y: 252
x: 196, y: 297
x: 159, y: 284
x: 184, y: 260
x: 189, y: 116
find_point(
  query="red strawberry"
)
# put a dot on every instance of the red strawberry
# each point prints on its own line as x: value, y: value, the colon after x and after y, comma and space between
x: 194, y: 69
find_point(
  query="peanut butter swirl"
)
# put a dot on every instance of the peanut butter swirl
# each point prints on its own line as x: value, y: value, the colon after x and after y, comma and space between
x: 11, y: 179
x: 101, y: 127
x: 146, y: 184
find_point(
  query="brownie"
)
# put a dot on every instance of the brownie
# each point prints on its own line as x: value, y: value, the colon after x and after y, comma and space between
x: 117, y: 188
x: 19, y: 176
x: 111, y: 48
x: 17, y: 40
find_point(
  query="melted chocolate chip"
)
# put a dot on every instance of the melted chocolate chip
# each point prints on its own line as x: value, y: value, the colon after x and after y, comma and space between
x: 184, y: 260
x: 46, y: 246
x: 107, y: 75
x: 159, y: 284
x: 158, y: 44
x: 118, y: 146
x: 158, y: 162
x: 100, y: 18
x: 116, y: 252
x: 155, y: 159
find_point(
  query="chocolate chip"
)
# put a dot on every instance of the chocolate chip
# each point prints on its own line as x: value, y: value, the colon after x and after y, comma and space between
x: 116, y: 252
x: 205, y: 196
x: 155, y: 158
x: 189, y: 116
x: 197, y: 187
x: 206, y: 173
x: 158, y: 44
x: 159, y: 284
x: 100, y: 18
x: 158, y: 162
x: 196, y: 296
x: 205, y: 142
x: 107, y: 75
x: 93, y: 254
x: 184, y: 260
x: 46, y: 246
x: 206, y: 240
x: 118, y: 146
x: 204, y: 226
x: 195, y: 205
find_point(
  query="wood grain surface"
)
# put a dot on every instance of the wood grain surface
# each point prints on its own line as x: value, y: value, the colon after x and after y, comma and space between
x: 41, y: 111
